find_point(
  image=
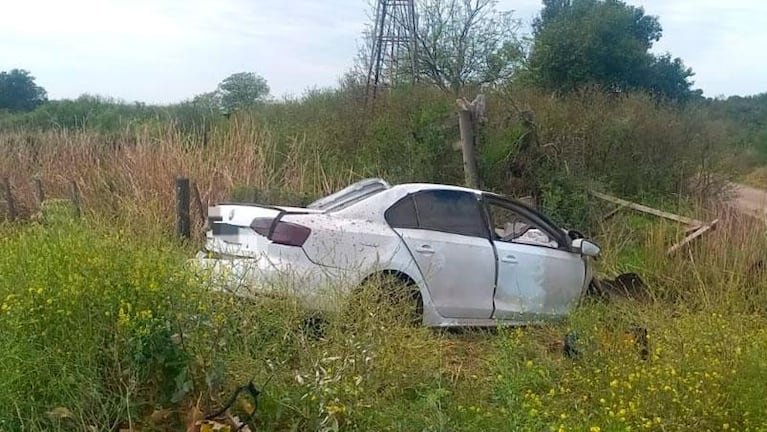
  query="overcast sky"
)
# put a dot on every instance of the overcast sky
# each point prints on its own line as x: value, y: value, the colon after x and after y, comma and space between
x: 163, y: 51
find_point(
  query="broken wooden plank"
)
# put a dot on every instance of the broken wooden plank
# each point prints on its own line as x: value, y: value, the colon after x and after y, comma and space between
x: 699, y: 232
x: 692, y: 228
x: 649, y: 210
x: 613, y: 212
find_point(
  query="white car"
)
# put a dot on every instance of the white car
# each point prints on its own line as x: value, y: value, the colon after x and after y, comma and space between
x: 473, y: 258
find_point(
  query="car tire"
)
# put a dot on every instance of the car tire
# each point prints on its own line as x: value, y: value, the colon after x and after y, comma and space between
x: 389, y: 290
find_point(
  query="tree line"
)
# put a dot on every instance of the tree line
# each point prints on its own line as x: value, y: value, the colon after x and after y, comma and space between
x: 471, y: 44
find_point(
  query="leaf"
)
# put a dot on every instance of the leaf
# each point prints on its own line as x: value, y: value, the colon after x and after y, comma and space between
x: 214, y: 426
x: 60, y: 413
x: 160, y: 415
x: 183, y: 386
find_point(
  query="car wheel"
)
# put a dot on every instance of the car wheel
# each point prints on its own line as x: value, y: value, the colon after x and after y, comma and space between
x: 388, y: 293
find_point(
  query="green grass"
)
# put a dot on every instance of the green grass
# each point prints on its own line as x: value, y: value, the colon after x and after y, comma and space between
x: 103, y: 329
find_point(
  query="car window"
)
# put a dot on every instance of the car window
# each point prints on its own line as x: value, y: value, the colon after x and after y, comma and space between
x: 448, y: 211
x: 350, y: 195
x: 512, y: 227
x: 402, y: 214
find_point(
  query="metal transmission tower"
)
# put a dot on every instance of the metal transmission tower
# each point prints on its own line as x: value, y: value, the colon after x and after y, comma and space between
x: 393, y: 52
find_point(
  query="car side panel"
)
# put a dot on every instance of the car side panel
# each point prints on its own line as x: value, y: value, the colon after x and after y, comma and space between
x: 459, y: 271
x: 536, y: 281
x: 353, y: 250
x: 278, y: 271
x: 358, y: 247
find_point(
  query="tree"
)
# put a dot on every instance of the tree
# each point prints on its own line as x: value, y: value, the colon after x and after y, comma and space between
x: 18, y: 91
x: 458, y: 43
x: 210, y: 101
x: 604, y: 42
x: 242, y: 90
x: 466, y: 42
x: 670, y: 78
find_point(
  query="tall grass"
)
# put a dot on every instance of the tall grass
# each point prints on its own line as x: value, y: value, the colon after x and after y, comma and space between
x: 132, y: 176
x: 309, y: 147
x: 103, y: 329
x: 723, y: 270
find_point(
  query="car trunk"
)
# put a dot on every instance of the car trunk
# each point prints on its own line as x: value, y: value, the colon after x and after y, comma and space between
x: 246, y: 230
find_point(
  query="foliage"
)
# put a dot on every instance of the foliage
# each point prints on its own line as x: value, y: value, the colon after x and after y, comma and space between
x: 18, y: 91
x: 242, y: 90
x: 87, y: 112
x: 311, y: 146
x: 457, y: 44
x: 464, y: 43
x: 87, y: 323
x: 749, y: 114
x: 686, y: 380
x: 604, y: 42
x: 110, y: 116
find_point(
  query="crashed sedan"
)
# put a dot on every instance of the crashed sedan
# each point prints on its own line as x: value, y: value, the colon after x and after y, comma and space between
x: 472, y: 258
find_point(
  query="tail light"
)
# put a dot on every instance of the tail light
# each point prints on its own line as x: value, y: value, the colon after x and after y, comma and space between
x: 262, y: 225
x: 290, y: 234
x: 284, y: 233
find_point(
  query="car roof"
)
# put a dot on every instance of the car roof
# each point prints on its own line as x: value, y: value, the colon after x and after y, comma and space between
x: 417, y: 187
x: 361, y: 190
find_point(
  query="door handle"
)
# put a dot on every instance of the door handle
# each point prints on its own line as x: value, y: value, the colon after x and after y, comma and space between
x: 511, y: 259
x: 425, y: 249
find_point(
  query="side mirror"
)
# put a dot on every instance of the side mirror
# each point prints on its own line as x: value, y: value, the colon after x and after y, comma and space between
x: 586, y: 248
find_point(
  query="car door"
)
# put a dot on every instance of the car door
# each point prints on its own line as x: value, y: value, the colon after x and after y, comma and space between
x: 538, y: 275
x: 446, y: 234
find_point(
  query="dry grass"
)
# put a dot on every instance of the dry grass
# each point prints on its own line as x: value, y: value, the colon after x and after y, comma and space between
x: 757, y: 178
x: 131, y: 175
x: 723, y: 270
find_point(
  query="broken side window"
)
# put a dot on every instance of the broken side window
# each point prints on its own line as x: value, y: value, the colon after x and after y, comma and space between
x: 510, y: 226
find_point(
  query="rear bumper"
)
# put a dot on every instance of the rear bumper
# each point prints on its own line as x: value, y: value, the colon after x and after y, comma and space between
x: 251, y: 277
x: 236, y: 275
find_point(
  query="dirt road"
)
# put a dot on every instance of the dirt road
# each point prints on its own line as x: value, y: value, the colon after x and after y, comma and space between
x: 749, y: 199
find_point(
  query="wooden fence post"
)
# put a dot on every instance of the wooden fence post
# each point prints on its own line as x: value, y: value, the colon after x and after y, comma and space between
x: 12, y: 214
x: 40, y: 191
x: 183, y: 226
x: 198, y: 202
x: 75, y: 191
